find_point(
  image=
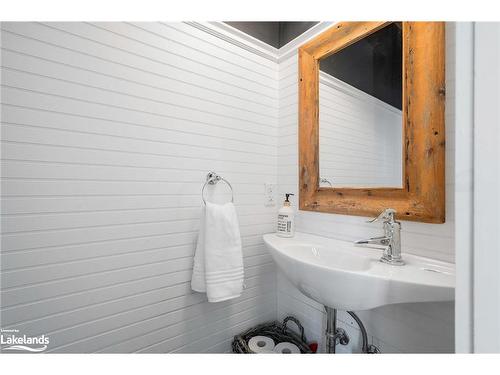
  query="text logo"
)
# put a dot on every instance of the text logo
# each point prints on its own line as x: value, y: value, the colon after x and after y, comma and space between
x: 12, y: 340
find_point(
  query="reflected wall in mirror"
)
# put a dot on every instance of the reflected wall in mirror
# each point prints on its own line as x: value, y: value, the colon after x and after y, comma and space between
x: 360, y: 118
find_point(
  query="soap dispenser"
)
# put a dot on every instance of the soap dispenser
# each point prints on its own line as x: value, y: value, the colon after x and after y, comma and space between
x: 286, y: 219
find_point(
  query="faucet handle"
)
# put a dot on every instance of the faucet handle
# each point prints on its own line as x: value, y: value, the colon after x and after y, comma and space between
x: 387, y: 214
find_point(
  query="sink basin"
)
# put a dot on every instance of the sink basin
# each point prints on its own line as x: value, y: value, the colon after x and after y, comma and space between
x: 338, y: 274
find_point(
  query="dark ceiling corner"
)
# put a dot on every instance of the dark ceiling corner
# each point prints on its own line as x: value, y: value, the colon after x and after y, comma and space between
x: 276, y: 34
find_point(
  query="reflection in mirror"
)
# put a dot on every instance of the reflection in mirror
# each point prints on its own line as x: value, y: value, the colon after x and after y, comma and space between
x: 360, y: 118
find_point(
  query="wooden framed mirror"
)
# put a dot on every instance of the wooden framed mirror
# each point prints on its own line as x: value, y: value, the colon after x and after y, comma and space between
x: 371, y: 100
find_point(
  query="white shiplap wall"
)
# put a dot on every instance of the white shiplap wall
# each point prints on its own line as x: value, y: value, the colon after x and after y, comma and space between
x: 410, y: 328
x: 108, y: 132
x: 360, y: 141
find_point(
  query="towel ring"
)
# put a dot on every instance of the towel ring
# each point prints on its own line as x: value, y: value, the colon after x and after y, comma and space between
x: 212, y: 179
x: 323, y: 180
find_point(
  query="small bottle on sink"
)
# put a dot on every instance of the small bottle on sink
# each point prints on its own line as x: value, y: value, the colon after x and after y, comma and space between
x: 286, y: 219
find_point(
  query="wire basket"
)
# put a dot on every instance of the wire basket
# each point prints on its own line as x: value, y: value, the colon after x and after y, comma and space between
x: 278, y: 332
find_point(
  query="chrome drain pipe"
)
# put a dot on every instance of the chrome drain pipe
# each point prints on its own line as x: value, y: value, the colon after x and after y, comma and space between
x: 334, y: 335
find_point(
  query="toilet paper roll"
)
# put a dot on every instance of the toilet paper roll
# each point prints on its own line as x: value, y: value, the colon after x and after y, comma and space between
x: 261, y: 344
x: 287, y: 348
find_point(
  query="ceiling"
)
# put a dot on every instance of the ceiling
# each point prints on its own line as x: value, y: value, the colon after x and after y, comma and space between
x: 276, y: 34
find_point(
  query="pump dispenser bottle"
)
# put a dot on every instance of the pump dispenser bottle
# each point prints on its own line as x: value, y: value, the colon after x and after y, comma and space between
x: 286, y: 219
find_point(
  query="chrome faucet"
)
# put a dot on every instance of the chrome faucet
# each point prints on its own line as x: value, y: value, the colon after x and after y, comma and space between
x: 390, y: 241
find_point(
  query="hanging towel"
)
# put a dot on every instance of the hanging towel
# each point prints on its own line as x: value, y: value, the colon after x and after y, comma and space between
x: 218, y: 260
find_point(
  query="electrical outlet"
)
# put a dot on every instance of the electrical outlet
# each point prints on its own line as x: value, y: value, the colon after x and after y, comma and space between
x: 269, y: 195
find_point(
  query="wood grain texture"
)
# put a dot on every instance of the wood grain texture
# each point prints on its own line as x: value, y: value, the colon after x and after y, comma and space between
x: 422, y: 197
x: 339, y: 36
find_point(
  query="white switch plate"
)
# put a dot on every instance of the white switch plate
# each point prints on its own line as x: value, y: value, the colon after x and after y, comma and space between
x: 269, y: 195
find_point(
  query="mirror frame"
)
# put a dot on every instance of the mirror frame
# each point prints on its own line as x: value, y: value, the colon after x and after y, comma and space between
x: 422, y: 197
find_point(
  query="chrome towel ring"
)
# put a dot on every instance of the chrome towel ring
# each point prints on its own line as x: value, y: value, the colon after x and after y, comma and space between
x: 212, y: 179
x: 323, y: 180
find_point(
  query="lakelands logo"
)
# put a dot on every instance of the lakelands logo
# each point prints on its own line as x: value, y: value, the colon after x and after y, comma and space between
x: 12, y: 340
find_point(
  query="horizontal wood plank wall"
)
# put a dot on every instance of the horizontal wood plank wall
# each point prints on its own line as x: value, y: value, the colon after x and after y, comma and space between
x: 360, y: 142
x: 405, y: 328
x: 108, y: 132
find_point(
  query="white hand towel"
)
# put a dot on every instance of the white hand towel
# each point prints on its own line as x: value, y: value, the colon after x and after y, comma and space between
x: 218, y: 260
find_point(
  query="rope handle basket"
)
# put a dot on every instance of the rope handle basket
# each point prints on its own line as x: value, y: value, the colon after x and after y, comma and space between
x: 279, y: 332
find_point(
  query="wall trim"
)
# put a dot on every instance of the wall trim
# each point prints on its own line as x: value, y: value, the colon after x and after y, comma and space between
x: 237, y: 38
x: 291, y: 47
x: 464, y: 183
x: 354, y: 92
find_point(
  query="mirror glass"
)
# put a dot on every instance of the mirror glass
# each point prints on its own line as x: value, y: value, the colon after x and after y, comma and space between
x: 360, y: 118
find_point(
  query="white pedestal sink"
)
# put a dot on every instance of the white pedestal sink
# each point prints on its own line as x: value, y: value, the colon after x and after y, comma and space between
x: 339, y: 275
